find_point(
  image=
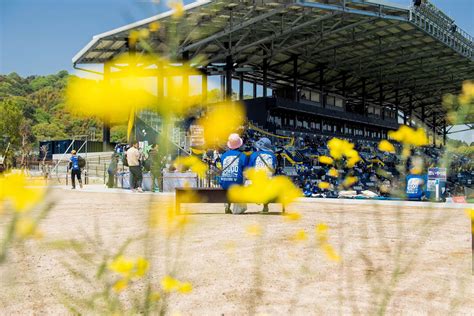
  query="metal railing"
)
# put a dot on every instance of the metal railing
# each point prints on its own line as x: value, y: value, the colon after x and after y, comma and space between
x: 436, y: 23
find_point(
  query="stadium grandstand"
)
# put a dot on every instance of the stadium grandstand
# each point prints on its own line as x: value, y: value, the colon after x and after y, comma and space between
x: 316, y: 69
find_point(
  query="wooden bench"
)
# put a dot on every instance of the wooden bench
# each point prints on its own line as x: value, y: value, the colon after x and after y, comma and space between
x: 203, y: 195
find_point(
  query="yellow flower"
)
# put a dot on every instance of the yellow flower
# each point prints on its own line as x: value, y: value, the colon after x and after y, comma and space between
x: 264, y: 189
x: 386, y: 146
x: 185, y: 287
x: 170, y: 284
x: 292, y: 216
x: 25, y: 227
x: 326, y: 160
x: 470, y: 213
x: 154, y: 26
x: 339, y: 148
x: 323, y: 185
x: 220, y: 121
x: 409, y: 136
x: 349, y: 181
x: 20, y: 191
x: 141, y: 267
x: 254, y: 230
x: 300, y: 236
x: 122, y: 266
x: 192, y: 162
x: 322, y: 237
x: 333, y: 173
x: 178, y: 8
x: 467, y: 95
x: 330, y: 252
x: 120, y: 285
x: 166, y: 219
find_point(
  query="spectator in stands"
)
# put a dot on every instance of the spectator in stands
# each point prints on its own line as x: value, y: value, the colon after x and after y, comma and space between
x: 233, y: 163
x: 133, y: 160
x: 263, y: 158
x: 74, y: 166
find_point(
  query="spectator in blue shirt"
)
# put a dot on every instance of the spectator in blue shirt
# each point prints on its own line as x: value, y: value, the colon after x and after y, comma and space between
x: 75, y: 169
x: 264, y: 159
x: 233, y: 163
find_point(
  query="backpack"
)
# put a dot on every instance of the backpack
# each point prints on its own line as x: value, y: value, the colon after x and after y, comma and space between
x: 124, y: 159
x: 81, y: 162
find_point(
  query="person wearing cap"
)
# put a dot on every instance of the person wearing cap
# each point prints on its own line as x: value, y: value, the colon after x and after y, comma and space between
x: 263, y: 159
x: 75, y: 169
x: 233, y: 163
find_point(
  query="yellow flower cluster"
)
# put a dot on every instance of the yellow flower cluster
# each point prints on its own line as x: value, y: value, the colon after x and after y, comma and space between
x: 409, y: 136
x: 128, y: 269
x: 326, y: 247
x: 324, y: 185
x: 221, y: 120
x: 170, y: 284
x: 333, y: 173
x: 326, y: 160
x: 128, y: 90
x: 178, y: 8
x: 349, y: 181
x: 166, y: 219
x: 467, y: 95
x: 263, y: 189
x: 191, y: 162
x: 386, y: 146
x: 339, y: 148
x: 21, y: 192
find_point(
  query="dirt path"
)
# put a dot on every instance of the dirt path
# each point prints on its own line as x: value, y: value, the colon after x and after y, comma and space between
x: 221, y: 259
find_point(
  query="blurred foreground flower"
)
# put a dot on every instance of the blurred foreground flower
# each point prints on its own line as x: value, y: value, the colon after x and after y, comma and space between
x: 324, y: 185
x: 21, y: 192
x: 254, y: 230
x: 333, y: 173
x: 409, y: 136
x: 263, y: 189
x: 128, y: 269
x: 221, y: 120
x: 178, y: 8
x: 170, y: 284
x: 26, y: 227
x: 300, y: 235
x: 192, y: 162
x: 349, y: 181
x: 339, y: 148
x: 292, y: 216
x: 386, y: 146
x: 166, y: 219
x: 323, y: 242
x: 326, y: 160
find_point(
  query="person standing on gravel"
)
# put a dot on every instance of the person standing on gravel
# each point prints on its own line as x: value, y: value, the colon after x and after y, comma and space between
x: 75, y: 167
x: 133, y: 160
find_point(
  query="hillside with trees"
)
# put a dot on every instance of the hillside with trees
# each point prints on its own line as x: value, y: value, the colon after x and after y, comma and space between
x: 32, y: 109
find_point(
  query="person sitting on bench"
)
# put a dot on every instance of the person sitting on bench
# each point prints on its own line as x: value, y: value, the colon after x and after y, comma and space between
x: 263, y: 158
x: 233, y: 163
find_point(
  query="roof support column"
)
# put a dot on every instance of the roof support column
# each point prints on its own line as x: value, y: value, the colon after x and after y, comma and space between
x: 434, y: 128
x: 106, y: 122
x: 223, y: 87
x: 295, y: 78
x: 321, y: 86
x: 397, y: 105
x: 265, y: 69
x: 254, y: 88
x: 204, y: 86
x: 241, y: 86
x: 423, y: 114
x: 364, y: 101
x: 344, y: 82
x: 229, y: 65
x: 185, y: 76
x: 382, y: 112
x: 445, y: 133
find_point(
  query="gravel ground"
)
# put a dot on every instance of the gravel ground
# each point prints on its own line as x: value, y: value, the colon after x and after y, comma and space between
x: 234, y: 273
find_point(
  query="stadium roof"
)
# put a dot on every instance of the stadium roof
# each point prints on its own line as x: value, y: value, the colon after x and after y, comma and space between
x: 411, y: 56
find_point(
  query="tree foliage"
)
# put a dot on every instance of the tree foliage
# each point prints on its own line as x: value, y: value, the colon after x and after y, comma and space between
x: 32, y: 109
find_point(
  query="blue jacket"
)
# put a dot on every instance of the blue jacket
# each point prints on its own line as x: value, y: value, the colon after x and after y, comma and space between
x: 233, y: 164
x: 263, y: 160
x: 74, y: 163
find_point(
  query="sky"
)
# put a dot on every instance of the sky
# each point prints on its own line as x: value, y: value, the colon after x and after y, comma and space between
x: 39, y: 37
